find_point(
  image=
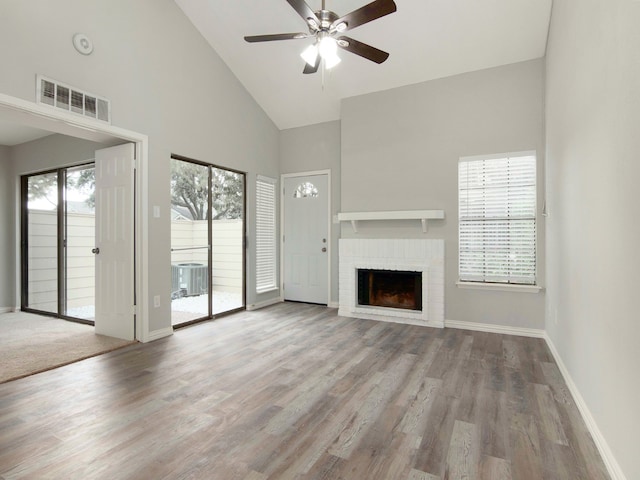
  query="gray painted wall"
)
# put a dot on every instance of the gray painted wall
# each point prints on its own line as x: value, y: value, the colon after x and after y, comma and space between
x: 317, y: 147
x: 593, y: 230
x: 7, y: 262
x: 50, y: 152
x: 164, y: 81
x: 400, y: 151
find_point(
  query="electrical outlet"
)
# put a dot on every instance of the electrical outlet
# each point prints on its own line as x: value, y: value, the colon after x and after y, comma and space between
x: 156, y: 301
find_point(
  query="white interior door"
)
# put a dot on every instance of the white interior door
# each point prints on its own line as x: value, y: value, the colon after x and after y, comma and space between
x: 306, y: 238
x: 114, y: 241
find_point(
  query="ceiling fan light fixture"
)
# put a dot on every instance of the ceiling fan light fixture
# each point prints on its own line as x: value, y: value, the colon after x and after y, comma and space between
x: 310, y: 54
x: 328, y: 47
x: 331, y: 61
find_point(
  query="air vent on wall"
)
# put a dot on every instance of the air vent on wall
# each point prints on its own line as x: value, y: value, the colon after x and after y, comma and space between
x: 71, y: 99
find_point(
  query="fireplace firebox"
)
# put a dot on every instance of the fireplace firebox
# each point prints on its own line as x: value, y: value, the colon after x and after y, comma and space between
x: 390, y: 288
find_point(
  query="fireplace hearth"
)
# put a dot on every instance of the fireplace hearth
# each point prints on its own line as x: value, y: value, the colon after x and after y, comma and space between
x: 390, y: 289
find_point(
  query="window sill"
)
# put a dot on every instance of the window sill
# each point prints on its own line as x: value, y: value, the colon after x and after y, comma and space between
x: 501, y: 287
x: 266, y: 290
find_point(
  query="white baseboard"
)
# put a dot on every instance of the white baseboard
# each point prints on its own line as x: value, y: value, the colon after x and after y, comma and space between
x: 266, y: 303
x: 491, y: 328
x: 7, y: 309
x: 333, y: 305
x: 158, y: 334
x: 609, y: 460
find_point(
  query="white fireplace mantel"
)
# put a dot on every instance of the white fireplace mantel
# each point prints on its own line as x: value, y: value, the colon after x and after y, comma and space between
x: 422, y: 215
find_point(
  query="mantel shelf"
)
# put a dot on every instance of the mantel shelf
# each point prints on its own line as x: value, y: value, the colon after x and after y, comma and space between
x: 422, y: 215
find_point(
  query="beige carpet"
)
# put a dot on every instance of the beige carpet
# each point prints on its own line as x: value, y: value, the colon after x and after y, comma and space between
x: 32, y: 343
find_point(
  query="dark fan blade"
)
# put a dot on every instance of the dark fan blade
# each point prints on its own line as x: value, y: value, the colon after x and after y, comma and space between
x: 304, y: 10
x: 311, y: 69
x: 366, y: 14
x: 276, y: 36
x: 362, y: 49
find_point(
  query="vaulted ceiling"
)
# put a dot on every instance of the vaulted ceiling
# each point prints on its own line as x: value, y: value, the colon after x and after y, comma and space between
x: 426, y: 39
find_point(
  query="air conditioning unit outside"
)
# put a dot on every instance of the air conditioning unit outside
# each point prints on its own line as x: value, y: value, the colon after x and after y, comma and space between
x: 188, y: 279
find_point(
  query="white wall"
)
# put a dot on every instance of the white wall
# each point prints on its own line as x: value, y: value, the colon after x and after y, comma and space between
x: 7, y: 263
x: 317, y: 147
x: 164, y: 81
x: 593, y: 230
x: 400, y: 151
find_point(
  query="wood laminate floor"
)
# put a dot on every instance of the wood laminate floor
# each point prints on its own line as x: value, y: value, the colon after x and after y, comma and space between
x: 296, y: 392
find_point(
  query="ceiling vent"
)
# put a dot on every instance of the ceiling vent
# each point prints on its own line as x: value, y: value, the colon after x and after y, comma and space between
x: 72, y: 99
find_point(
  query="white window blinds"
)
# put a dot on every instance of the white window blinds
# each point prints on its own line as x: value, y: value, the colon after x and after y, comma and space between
x: 265, y: 234
x: 497, y: 231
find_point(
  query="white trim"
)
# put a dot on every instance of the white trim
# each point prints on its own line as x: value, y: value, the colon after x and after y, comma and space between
x: 333, y: 305
x: 492, y: 328
x: 7, y: 309
x: 614, y: 469
x: 266, y: 303
x: 502, y: 287
x: 526, y: 153
x: 81, y: 126
x: 158, y: 334
x: 329, y: 224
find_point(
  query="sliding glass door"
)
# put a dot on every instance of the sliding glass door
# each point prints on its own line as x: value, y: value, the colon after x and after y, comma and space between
x: 41, y: 241
x: 58, y: 234
x: 79, y: 240
x: 207, y: 241
x: 227, y: 227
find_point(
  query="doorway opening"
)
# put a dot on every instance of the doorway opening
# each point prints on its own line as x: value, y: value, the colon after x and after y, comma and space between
x: 42, y: 120
x: 207, y: 241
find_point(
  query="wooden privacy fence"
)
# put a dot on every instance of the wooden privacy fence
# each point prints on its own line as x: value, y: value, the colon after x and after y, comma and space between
x: 226, y: 250
x: 80, y: 278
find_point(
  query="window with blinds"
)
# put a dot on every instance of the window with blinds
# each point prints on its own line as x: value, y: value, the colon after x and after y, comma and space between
x: 497, y: 215
x: 265, y: 234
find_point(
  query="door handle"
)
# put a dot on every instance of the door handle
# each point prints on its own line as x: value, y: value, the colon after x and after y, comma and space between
x: 324, y: 249
x: 95, y: 250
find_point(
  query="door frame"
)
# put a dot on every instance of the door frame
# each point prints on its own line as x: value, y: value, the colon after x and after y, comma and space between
x: 59, y: 121
x: 284, y: 176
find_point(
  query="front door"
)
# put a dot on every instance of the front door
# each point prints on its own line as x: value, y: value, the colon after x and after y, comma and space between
x: 306, y: 238
x: 114, y: 241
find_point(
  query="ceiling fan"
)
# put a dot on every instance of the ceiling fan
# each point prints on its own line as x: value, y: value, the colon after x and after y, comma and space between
x: 325, y: 26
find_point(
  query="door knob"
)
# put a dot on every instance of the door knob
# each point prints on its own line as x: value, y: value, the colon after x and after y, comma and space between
x: 324, y: 249
x: 95, y: 250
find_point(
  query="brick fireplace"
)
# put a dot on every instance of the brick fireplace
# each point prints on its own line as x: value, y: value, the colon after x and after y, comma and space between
x: 395, y: 280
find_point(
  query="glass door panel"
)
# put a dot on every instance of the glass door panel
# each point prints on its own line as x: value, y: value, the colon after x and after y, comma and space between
x: 79, y: 234
x: 228, y: 196
x: 42, y: 243
x: 190, y: 242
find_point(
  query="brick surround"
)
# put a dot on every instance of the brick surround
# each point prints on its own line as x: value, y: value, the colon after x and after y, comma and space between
x: 418, y: 255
